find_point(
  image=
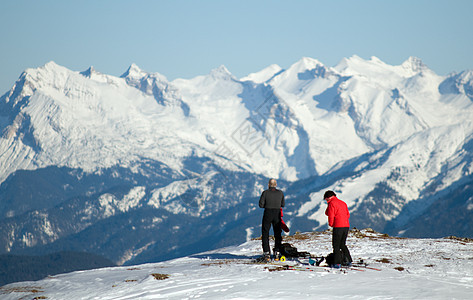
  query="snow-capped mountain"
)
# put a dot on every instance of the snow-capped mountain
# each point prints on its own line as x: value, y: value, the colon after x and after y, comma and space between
x: 139, y: 168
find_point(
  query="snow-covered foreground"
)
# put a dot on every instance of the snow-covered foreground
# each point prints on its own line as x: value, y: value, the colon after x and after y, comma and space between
x: 410, y: 269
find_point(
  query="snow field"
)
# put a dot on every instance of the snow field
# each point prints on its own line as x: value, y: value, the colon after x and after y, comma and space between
x: 410, y: 269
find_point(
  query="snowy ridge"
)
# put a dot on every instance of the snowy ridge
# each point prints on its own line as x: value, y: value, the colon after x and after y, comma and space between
x: 264, y: 75
x: 81, y: 122
x: 409, y: 268
x: 375, y: 105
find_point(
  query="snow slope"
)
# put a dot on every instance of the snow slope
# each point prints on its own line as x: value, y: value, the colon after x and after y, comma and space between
x: 410, y: 269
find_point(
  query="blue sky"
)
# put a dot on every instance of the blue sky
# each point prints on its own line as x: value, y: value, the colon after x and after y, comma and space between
x: 189, y: 38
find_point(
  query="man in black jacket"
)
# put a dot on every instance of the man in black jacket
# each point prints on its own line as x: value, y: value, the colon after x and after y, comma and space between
x: 271, y: 200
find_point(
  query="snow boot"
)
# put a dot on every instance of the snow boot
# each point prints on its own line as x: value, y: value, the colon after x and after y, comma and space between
x: 266, y: 257
x: 277, y: 254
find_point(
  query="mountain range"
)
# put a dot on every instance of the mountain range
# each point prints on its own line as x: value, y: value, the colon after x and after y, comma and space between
x: 139, y: 168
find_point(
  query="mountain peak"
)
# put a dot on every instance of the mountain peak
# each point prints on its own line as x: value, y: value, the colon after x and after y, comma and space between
x: 221, y: 72
x: 374, y: 67
x: 51, y: 65
x: 354, y: 58
x: 31, y: 79
x: 308, y: 63
x: 415, y: 64
x: 305, y: 68
x: 458, y: 83
x: 134, y: 71
x: 354, y: 63
x: 263, y: 75
x: 89, y: 72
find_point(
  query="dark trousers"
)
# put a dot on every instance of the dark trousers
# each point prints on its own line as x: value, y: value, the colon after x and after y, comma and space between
x: 339, y: 238
x: 271, y: 217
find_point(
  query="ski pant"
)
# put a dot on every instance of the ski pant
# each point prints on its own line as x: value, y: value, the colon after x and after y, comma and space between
x: 271, y: 217
x: 339, y: 239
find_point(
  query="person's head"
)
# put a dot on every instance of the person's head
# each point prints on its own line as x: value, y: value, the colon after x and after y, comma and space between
x: 272, y: 183
x: 328, y: 194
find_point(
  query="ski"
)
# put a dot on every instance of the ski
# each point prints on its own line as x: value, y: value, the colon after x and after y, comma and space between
x: 341, y: 268
x: 312, y: 268
x: 362, y: 264
x: 366, y: 267
x: 303, y: 269
x: 316, y: 268
x: 299, y: 265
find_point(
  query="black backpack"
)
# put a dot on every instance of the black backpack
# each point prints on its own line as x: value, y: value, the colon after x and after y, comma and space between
x: 289, y: 250
x: 330, y: 259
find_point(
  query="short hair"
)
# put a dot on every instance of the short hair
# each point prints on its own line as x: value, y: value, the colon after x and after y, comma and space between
x: 272, y: 182
x: 329, y: 194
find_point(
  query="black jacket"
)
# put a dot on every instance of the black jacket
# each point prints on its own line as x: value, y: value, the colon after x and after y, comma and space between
x: 272, y: 198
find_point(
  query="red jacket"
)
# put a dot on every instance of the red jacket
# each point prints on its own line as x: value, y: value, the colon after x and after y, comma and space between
x: 337, y: 212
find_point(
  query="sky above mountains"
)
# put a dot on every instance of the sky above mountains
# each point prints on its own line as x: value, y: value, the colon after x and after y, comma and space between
x: 183, y: 39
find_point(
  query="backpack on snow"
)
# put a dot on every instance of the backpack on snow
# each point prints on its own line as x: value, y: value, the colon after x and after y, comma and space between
x: 289, y: 250
x: 330, y: 259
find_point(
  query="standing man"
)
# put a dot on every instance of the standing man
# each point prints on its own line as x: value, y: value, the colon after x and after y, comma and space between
x: 338, y: 215
x: 271, y: 200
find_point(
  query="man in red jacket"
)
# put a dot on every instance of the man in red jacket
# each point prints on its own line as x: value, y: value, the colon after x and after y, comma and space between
x: 338, y: 215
